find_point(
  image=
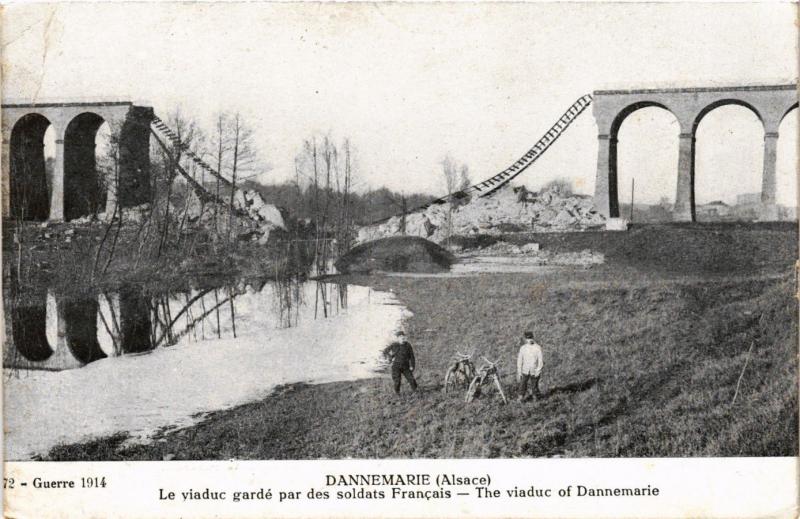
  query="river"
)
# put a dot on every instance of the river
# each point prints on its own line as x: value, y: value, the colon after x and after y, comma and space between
x: 135, y: 363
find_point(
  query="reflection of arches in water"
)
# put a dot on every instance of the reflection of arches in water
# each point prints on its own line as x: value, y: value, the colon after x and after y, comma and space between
x: 52, y: 321
x: 135, y: 322
x: 80, y: 324
x: 29, y: 331
x: 108, y: 332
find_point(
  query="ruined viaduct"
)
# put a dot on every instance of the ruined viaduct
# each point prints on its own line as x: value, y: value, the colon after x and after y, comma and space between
x: 770, y: 103
x: 77, y: 187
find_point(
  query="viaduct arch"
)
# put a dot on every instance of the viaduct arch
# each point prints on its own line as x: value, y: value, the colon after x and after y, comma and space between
x: 770, y: 103
x: 76, y: 188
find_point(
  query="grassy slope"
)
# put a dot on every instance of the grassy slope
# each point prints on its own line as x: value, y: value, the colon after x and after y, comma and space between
x: 639, y: 362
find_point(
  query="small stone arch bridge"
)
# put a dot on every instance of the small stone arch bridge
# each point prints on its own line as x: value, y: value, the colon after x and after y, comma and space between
x: 770, y: 103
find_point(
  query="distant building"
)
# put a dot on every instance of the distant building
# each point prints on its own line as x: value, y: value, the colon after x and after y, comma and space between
x: 715, y: 209
x: 748, y: 208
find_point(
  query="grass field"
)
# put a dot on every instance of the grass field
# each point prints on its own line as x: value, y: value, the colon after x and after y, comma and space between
x: 642, y: 358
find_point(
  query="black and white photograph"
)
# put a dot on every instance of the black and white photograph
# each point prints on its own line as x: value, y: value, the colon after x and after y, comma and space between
x: 399, y: 231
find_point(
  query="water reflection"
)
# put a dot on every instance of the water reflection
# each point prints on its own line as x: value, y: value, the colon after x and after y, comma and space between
x: 29, y: 326
x: 289, y: 298
x: 135, y: 324
x: 80, y: 327
x: 47, y: 332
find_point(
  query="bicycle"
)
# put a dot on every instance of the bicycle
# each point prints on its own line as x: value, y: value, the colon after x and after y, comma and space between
x: 460, y: 372
x: 487, y: 371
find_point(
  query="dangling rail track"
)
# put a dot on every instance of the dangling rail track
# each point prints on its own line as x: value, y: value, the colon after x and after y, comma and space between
x: 484, y: 188
x: 490, y: 185
x: 159, y: 129
x: 169, y: 134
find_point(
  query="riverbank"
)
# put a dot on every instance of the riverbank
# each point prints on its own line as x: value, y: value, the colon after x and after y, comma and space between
x: 643, y: 358
x: 63, y: 258
x: 206, y: 369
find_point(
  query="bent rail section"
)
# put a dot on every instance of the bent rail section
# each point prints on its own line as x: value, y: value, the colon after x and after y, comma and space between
x: 492, y: 184
x: 159, y: 128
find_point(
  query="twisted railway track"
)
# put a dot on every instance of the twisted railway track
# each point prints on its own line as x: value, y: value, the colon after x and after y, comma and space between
x: 492, y: 184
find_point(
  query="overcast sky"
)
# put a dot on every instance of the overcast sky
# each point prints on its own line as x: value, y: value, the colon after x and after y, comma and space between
x: 409, y: 83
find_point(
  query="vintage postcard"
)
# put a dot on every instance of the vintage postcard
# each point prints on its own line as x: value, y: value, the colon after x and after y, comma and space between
x: 400, y: 259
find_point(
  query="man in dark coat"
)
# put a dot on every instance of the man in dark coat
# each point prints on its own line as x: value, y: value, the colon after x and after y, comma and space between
x: 402, y: 357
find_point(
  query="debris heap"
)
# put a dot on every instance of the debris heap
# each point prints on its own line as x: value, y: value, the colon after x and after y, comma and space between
x: 254, y: 218
x: 509, y: 209
x: 257, y: 217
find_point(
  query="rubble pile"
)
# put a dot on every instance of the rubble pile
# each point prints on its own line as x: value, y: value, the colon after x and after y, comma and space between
x: 508, y: 209
x: 260, y: 220
x: 132, y: 214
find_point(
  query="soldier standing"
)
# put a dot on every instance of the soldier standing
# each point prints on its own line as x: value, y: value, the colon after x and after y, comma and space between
x: 401, y: 355
x: 529, y: 366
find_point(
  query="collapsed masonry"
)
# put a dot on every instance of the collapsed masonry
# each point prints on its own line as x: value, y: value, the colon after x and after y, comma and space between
x: 253, y: 220
x: 508, y: 209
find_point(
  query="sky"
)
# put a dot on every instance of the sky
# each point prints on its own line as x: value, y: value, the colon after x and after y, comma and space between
x: 410, y: 83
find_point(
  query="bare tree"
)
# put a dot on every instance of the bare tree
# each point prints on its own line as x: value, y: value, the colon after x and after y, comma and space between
x: 464, y: 180
x: 221, y: 146
x: 243, y: 160
x: 193, y: 202
x: 165, y: 170
x: 456, y: 178
x: 186, y: 131
x: 329, y: 170
x: 108, y: 166
x: 450, y: 174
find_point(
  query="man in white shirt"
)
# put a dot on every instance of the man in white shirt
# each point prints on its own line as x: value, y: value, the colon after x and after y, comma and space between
x: 529, y: 366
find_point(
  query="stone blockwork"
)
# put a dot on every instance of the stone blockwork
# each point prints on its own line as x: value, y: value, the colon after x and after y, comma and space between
x: 770, y: 103
x: 75, y: 188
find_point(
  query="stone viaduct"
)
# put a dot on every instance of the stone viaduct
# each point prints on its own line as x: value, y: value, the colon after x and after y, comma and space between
x: 770, y: 103
x: 76, y: 188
